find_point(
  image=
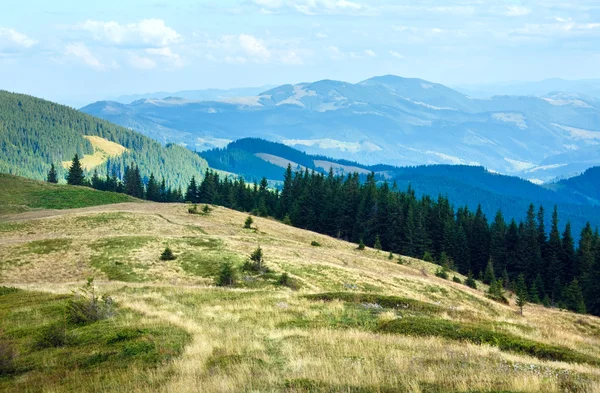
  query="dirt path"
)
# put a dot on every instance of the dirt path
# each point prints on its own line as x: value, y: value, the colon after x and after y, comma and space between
x: 128, y: 207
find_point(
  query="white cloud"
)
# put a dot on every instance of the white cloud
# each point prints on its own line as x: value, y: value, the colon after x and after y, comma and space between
x: 141, y: 62
x: 291, y: 57
x: 82, y: 53
x: 254, y: 48
x: 147, y: 32
x: 395, y: 54
x: 370, y: 53
x: 335, y: 53
x: 167, y: 54
x: 311, y: 7
x: 516, y: 10
x: 13, y: 41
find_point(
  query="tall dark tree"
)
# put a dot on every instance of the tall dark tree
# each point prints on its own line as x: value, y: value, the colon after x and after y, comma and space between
x: 153, y: 189
x: 75, y: 175
x: 52, y: 176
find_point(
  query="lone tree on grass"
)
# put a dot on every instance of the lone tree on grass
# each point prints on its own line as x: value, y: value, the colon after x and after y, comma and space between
x: 248, y: 223
x: 167, y: 255
x: 52, y: 176
x: 377, y: 244
x: 361, y: 245
x: 75, y: 176
x: 521, y: 292
x: 257, y: 259
x: 226, y: 276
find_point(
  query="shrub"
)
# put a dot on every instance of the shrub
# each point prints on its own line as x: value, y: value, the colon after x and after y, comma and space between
x: 206, y: 209
x: 442, y: 272
x: 226, y: 276
x: 377, y: 244
x: 496, y: 292
x: 390, y: 256
x: 470, y: 281
x: 193, y: 209
x: 86, y: 306
x: 167, y: 255
x: 286, y: 281
x: 52, y: 336
x: 361, y: 245
x: 457, y: 280
x: 401, y: 261
x: 7, y: 358
x: 427, y: 257
x: 315, y: 243
x: 287, y: 220
x: 248, y: 223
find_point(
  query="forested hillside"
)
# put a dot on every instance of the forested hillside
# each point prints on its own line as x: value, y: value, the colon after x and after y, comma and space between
x: 35, y: 133
x: 463, y: 185
x: 557, y: 269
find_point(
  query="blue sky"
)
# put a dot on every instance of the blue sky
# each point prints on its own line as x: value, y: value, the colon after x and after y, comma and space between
x: 77, y: 52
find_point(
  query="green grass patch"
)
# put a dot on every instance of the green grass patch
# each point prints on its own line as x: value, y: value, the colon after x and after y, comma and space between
x: 394, y: 302
x: 93, y: 353
x: 17, y: 193
x: 114, y: 257
x: 426, y: 327
x: 42, y: 247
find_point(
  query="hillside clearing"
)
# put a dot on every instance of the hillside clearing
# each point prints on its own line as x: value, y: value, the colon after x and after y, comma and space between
x: 341, y: 331
x: 103, y: 150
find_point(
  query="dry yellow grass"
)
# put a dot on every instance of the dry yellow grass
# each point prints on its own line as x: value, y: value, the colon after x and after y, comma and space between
x: 103, y: 149
x: 250, y: 339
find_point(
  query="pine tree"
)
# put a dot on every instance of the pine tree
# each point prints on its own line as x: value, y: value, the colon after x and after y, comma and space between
x: 152, y: 189
x: 167, y: 255
x: 573, y: 298
x: 191, y: 195
x: 489, y: 277
x: 521, y: 292
x: 75, y: 176
x: 257, y: 259
x: 361, y: 245
x: 52, y: 176
x: 226, y: 277
x: 248, y: 223
x: 377, y: 245
x: 470, y: 281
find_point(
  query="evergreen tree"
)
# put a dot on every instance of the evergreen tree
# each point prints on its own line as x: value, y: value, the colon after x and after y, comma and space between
x: 257, y: 259
x: 521, y: 292
x: 248, y: 223
x: 573, y: 298
x: 498, y: 242
x: 52, y: 176
x: 361, y: 245
x: 226, y: 277
x: 75, y: 175
x: 191, y: 195
x: 153, y: 190
x: 377, y: 244
x: 167, y: 255
x: 470, y: 281
x: 489, y: 277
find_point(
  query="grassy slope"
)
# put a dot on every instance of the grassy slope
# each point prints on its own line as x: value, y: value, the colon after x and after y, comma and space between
x: 18, y: 194
x: 412, y: 332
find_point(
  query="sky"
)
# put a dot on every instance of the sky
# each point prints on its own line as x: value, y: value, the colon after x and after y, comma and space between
x: 76, y: 52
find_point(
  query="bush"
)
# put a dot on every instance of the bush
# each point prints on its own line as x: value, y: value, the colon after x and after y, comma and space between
x: 248, y: 223
x: 427, y: 257
x: 390, y: 256
x: 361, y: 245
x: 167, y: 255
x: 206, y: 209
x: 193, y: 209
x: 226, y: 276
x: 315, y: 243
x: 7, y: 358
x: 442, y: 272
x: 52, y: 336
x: 457, y: 280
x: 87, y: 307
x: 496, y: 292
x: 287, y: 220
x: 470, y: 281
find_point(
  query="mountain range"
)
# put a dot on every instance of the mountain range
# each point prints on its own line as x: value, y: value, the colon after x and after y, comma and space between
x: 387, y: 119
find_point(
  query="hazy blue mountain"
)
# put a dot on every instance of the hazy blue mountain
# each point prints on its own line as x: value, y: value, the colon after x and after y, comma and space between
x: 385, y: 119
x: 578, y: 199
x: 588, y: 87
x: 199, y: 95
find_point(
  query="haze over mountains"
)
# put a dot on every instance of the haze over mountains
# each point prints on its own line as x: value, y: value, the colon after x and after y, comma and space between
x: 389, y: 120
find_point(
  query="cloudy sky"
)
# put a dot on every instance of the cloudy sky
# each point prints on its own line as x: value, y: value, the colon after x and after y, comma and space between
x: 79, y: 51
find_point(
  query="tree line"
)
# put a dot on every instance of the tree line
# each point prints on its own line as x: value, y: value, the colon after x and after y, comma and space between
x: 555, y: 269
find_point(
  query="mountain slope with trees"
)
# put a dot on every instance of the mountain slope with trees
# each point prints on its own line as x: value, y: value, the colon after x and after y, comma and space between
x: 35, y: 133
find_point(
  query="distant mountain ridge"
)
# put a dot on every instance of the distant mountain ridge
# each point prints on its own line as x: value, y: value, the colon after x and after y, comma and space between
x: 197, y: 95
x: 386, y: 119
x: 578, y: 198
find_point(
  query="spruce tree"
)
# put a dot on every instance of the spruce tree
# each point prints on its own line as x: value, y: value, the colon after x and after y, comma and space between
x: 52, y: 176
x: 377, y: 244
x: 521, y: 292
x: 573, y: 298
x: 226, y: 277
x: 361, y: 245
x: 248, y: 223
x: 257, y: 259
x: 489, y: 277
x: 75, y: 175
x: 153, y: 189
x: 470, y: 281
